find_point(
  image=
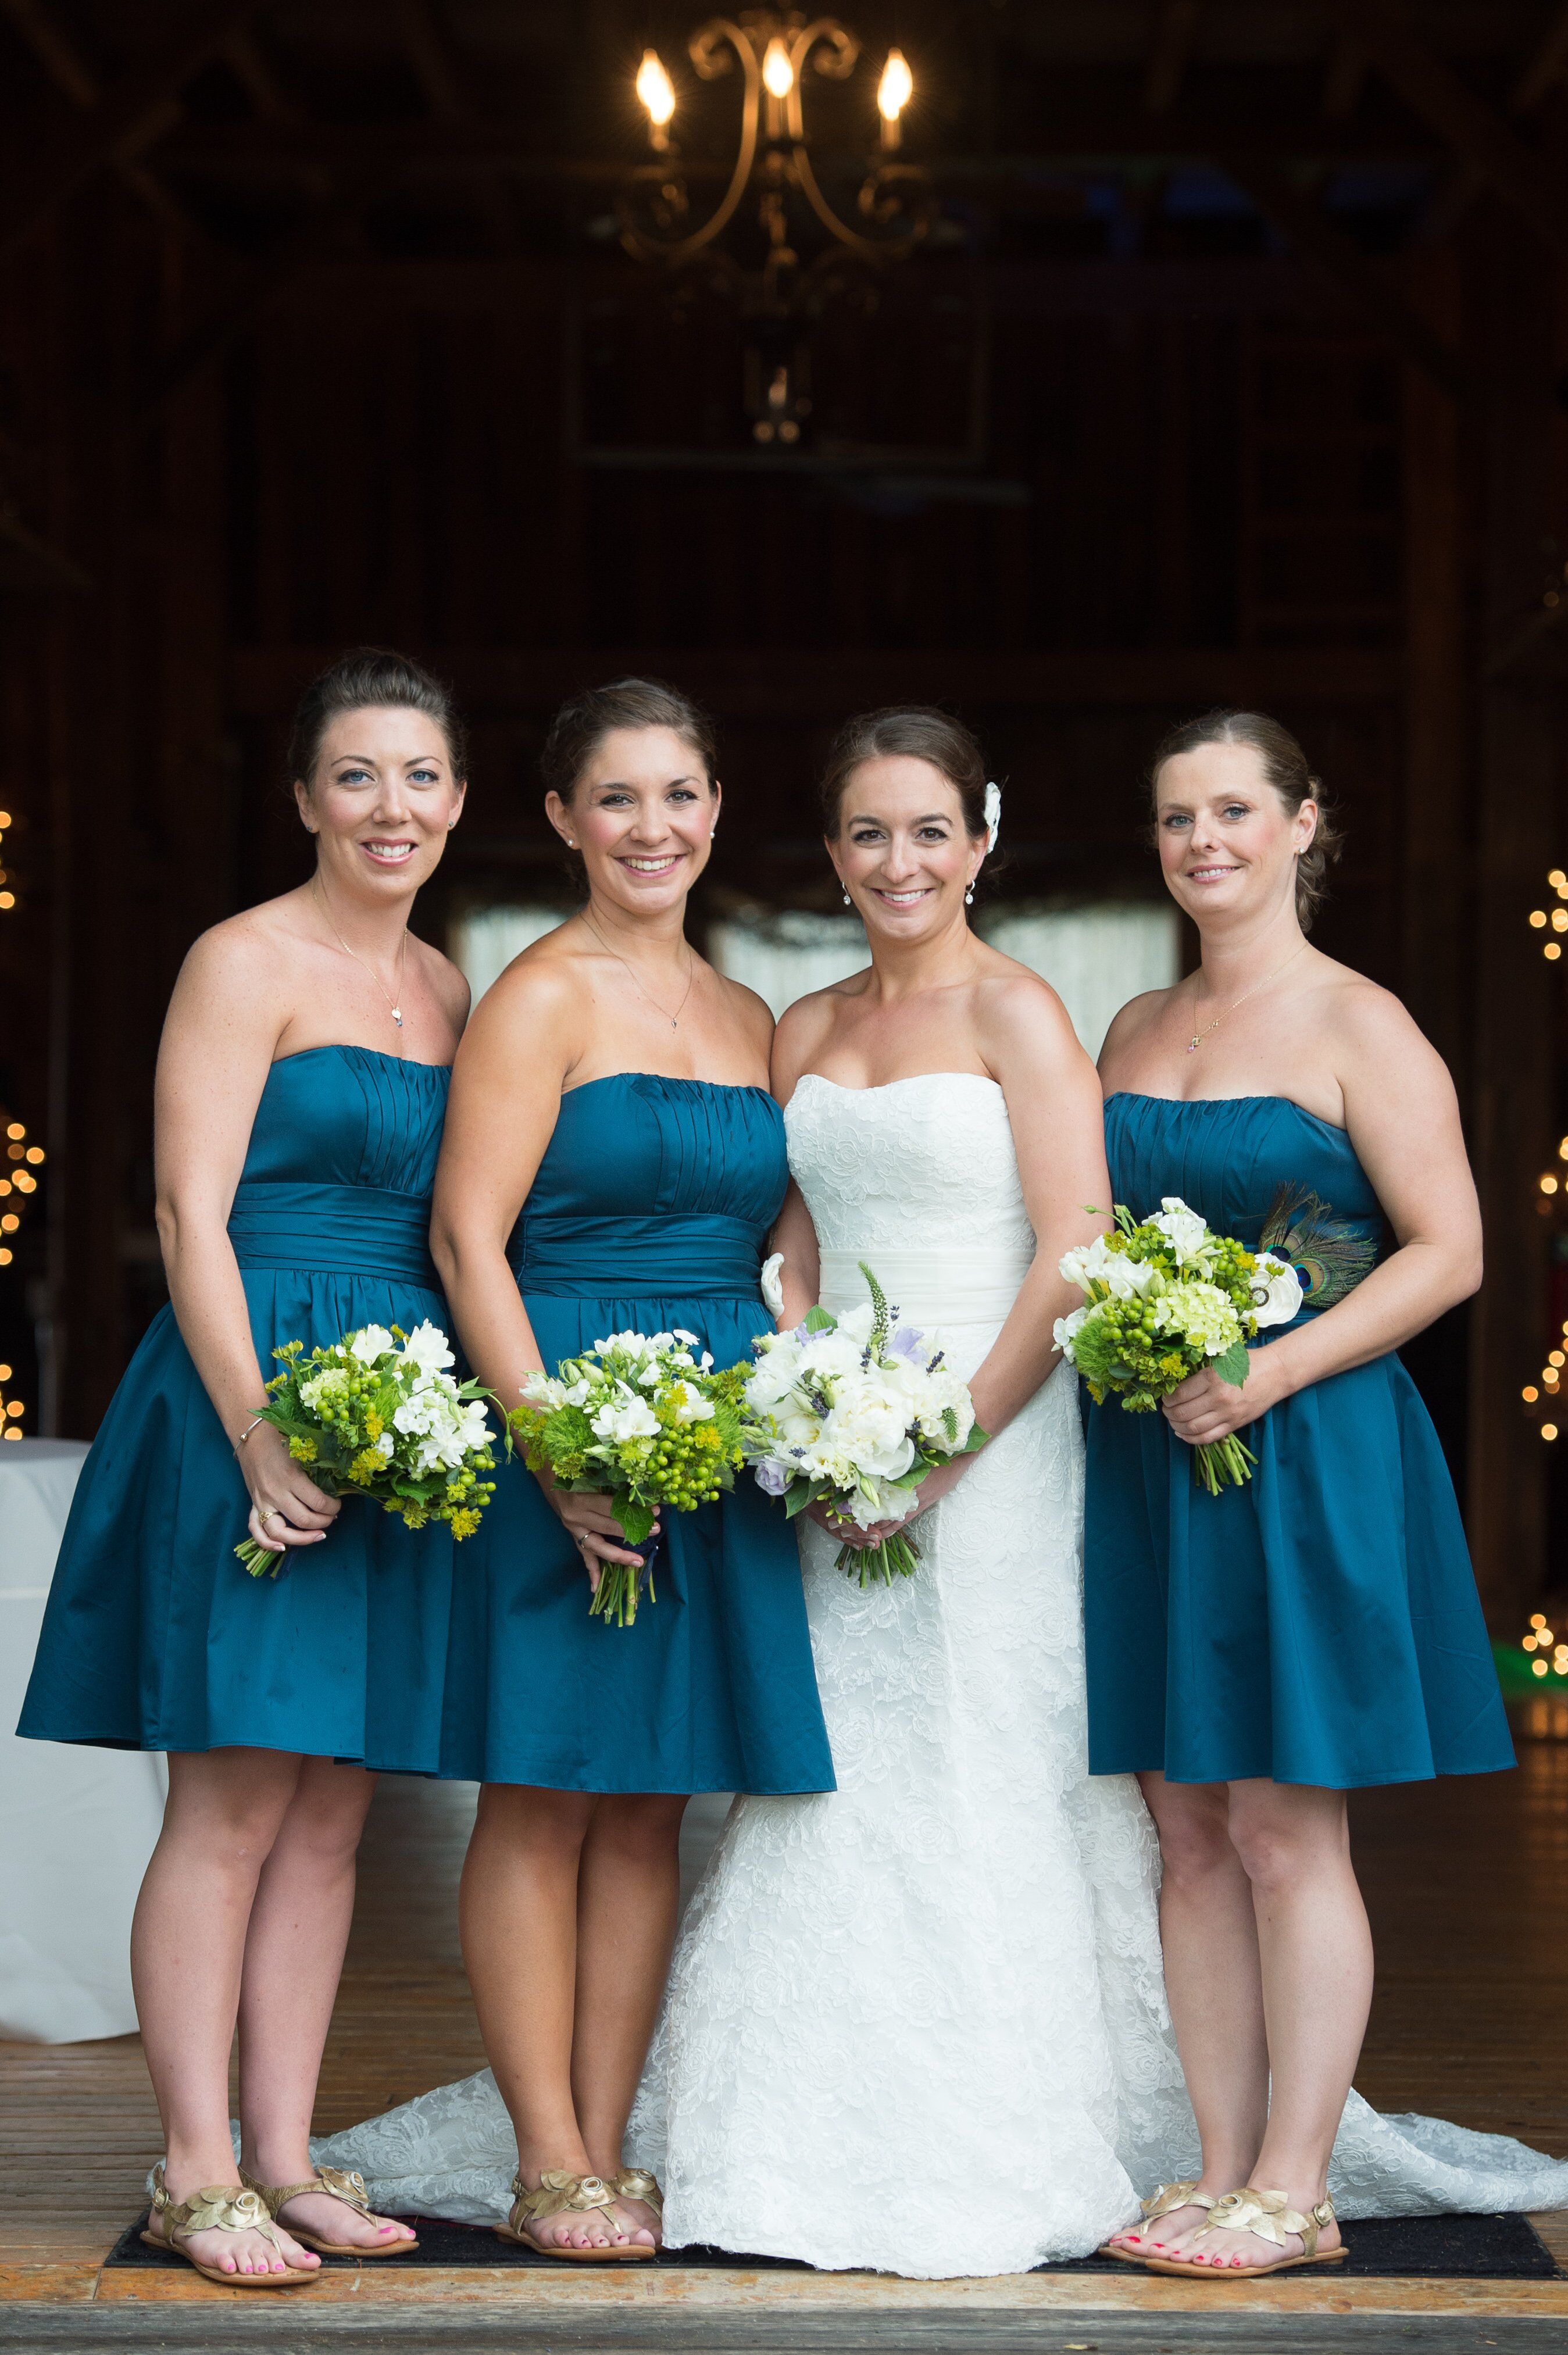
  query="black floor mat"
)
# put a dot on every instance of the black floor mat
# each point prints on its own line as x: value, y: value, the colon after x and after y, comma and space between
x: 1488, y: 2248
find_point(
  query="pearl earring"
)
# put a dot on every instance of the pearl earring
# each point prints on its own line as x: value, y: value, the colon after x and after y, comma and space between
x: 969, y: 897
x: 847, y: 901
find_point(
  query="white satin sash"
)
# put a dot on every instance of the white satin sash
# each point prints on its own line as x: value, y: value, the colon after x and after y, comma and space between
x: 973, y: 1285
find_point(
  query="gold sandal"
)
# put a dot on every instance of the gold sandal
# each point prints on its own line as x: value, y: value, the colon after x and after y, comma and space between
x: 219, y: 2207
x: 337, y: 2184
x: 1164, y: 2201
x: 581, y: 2194
x: 636, y: 2183
x: 1270, y: 2215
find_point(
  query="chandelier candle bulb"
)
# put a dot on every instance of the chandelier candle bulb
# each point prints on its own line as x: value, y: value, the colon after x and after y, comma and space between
x: 657, y: 92
x: 893, y: 94
x: 778, y: 72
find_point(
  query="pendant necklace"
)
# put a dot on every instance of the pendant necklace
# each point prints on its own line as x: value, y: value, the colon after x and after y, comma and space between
x: 395, y: 1003
x: 1199, y: 1036
x: 673, y: 1019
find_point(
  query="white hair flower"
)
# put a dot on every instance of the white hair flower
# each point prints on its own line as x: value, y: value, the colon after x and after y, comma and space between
x: 993, y: 816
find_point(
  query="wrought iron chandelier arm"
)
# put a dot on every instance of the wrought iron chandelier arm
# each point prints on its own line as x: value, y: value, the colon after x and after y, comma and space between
x: 704, y: 47
x: 871, y: 248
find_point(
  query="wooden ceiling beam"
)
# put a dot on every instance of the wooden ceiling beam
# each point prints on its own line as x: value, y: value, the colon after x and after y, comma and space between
x: 428, y: 54
x: 1170, y: 51
x: 1481, y: 137
x: 75, y: 80
x: 118, y: 129
x: 1546, y: 68
x: 1366, y: 287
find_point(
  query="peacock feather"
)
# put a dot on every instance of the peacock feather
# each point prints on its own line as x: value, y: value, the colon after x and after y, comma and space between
x: 1330, y: 1252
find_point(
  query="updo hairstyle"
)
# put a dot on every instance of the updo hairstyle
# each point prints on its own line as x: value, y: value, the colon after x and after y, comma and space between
x: 920, y: 733
x: 366, y: 678
x: 1284, y: 765
x: 581, y: 724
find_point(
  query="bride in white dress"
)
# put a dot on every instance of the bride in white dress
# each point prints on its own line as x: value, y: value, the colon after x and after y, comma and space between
x: 919, y: 2024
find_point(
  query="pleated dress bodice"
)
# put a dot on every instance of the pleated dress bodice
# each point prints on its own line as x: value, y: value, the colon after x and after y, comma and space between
x: 650, y: 1210
x: 155, y: 1637
x: 1319, y: 1625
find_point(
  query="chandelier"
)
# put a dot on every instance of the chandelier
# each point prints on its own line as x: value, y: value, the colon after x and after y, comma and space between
x: 775, y: 51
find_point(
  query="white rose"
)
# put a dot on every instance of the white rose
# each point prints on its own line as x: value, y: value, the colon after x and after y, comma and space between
x: 426, y: 1347
x: 373, y: 1342
x: 1187, y: 1232
x: 1280, y: 1286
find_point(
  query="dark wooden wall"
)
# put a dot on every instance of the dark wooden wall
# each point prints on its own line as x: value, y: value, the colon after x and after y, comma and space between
x: 1197, y: 476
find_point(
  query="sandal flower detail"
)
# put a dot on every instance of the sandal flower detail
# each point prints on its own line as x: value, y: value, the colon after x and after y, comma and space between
x: 559, y: 2194
x: 1164, y: 2201
x: 219, y: 2207
x: 336, y: 2183
x: 1270, y: 2215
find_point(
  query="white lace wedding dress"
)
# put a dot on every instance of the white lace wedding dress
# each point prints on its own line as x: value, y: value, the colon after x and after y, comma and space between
x: 919, y: 2024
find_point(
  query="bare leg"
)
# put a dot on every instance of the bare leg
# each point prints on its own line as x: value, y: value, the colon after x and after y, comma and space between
x: 627, y: 1904
x: 1316, y: 1956
x: 187, y: 1947
x: 519, y: 1916
x: 293, y: 1960
x: 1214, y: 1979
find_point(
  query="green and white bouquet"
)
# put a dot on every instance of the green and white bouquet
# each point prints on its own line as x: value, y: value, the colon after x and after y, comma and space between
x: 852, y: 1412
x: 646, y: 1417
x: 379, y: 1415
x: 1168, y: 1296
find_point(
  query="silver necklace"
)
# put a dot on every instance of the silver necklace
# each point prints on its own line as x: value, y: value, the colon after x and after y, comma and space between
x: 1207, y: 1031
x: 673, y: 1019
x: 395, y: 1003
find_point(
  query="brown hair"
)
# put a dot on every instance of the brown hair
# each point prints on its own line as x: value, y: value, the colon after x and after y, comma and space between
x: 364, y: 679
x: 921, y: 734
x: 581, y: 724
x: 1284, y: 764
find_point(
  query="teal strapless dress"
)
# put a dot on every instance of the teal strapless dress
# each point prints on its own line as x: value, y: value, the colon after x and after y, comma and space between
x: 651, y: 1210
x: 155, y: 1637
x: 1321, y: 1624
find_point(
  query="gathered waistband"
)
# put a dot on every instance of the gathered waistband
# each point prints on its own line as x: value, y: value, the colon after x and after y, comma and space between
x: 333, y: 1230
x: 976, y: 1285
x: 691, y: 1255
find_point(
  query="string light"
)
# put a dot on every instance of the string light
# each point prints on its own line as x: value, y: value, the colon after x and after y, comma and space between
x: 1555, y: 920
x: 18, y: 1185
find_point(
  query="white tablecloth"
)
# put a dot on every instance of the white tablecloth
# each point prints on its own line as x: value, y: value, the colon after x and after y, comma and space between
x: 77, y: 1824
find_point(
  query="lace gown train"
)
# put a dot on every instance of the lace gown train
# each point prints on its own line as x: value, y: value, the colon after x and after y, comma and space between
x: 919, y: 2024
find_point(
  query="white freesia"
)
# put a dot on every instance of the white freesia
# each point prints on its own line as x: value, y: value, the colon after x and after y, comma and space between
x: 1097, y: 1263
x: 625, y: 1416
x: 371, y: 1343
x: 1280, y: 1286
x: 688, y: 1405
x: 1066, y: 1329
x: 1189, y: 1233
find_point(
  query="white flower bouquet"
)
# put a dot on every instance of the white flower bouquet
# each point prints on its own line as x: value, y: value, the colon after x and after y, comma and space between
x: 1166, y: 1298
x: 379, y: 1415
x: 642, y: 1416
x: 852, y: 1412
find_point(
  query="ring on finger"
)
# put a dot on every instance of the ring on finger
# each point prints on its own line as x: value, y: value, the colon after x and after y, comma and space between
x: 273, y: 1516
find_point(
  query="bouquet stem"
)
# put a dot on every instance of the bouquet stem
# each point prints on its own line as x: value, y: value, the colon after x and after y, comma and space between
x: 260, y: 1560
x: 879, y: 1565
x: 1223, y: 1463
x: 619, y: 1591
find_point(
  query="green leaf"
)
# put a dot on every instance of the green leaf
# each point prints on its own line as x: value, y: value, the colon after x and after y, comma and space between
x: 635, y: 1519
x: 817, y: 1320
x: 797, y: 1496
x: 1232, y: 1366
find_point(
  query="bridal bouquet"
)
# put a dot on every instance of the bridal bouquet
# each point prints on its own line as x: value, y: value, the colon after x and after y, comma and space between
x: 1166, y: 1298
x: 853, y: 1412
x: 643, y: 1417
x: 379, y: 1415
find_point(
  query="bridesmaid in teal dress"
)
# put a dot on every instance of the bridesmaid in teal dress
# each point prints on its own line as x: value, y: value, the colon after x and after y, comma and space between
x: 1251, y: 1656
x: 302, y: 1086
x: 612, y: 1160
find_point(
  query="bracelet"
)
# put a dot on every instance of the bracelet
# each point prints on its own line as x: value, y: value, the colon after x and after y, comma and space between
x: 245, y: 1434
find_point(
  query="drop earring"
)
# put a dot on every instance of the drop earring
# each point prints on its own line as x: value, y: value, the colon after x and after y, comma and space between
x: 969, y: 897
x: 847, y: 901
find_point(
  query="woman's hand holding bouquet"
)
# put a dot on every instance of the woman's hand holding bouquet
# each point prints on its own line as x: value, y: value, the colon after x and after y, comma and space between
x: 850, y: 1415
x: 635, y: 1424
x: 1168, y: 1299
x: 376, y: 1415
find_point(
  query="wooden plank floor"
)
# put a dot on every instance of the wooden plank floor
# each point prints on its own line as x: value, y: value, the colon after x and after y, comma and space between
x: 1467, y: 1883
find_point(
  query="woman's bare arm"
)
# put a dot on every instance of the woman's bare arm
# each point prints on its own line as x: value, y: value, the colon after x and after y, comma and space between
x: 1402, y: 1118
x: 518, y: 1049
x: 223, y: 1025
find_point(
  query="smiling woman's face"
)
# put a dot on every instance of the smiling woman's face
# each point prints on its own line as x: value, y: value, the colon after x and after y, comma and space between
x: 382, y: 801
x: 641, y: 814
x: 902, y: 852
x: 1227, y: 842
